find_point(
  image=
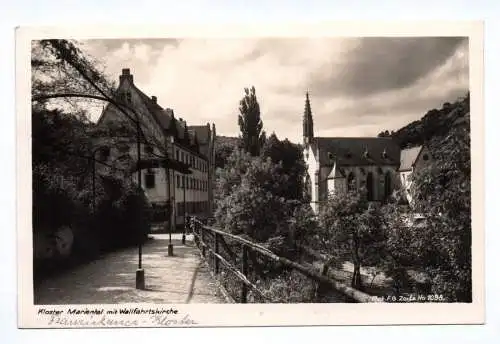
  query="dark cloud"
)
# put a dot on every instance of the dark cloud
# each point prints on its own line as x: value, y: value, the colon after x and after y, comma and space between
x: 383, y: 64
x: 367, y: 109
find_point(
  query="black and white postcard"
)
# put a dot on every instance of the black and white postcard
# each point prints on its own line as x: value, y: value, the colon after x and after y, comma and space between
x: 178, y: 176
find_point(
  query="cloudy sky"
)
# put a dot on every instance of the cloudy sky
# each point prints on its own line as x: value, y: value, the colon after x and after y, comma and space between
x: 357, y: 86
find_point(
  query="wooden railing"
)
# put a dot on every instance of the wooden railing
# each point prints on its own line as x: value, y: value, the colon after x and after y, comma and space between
x: 245, y: 259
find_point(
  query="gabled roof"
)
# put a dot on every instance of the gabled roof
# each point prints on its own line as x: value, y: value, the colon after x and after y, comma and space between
x: 350, y: 151
x: 163, y: 117
x: 408, y: 158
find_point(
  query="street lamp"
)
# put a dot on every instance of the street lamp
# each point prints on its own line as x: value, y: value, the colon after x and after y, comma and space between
x: 171, y: 198
x: 184, y: 208
x: 139, y: 274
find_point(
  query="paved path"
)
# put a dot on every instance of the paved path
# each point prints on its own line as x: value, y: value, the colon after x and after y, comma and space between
x: 183, y: 278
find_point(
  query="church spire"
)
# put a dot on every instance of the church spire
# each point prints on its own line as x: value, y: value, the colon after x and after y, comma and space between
x: 307, y: 124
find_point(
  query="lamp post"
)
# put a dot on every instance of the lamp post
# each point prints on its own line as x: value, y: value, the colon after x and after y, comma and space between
x: 184, y: 208
x: 139, y: 274
x: 171, y: 198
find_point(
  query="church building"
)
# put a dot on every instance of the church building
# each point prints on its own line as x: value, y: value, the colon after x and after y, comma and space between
x: 337, y: 164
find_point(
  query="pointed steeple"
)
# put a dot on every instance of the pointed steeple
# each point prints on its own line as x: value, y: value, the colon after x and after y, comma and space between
x: 307, y: 124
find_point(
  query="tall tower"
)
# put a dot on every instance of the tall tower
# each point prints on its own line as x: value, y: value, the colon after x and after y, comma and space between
x: 307, y: 123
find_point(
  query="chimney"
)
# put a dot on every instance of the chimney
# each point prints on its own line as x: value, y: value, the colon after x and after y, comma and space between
x: 154, y: 99
x: 126, y: 75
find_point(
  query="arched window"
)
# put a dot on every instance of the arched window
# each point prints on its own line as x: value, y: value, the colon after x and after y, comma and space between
x: 351, y: 182
x: 387, y: 185
x: 369, y: 186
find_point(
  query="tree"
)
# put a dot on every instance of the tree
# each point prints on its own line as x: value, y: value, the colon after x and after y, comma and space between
x: 250, y: 123
x: 352, y: 229
x: 64, y: 75
x: 224, y: 147
x: 290, y: 158
x: 442, y: 193
x: 248, y: 197
x: 66, y: 81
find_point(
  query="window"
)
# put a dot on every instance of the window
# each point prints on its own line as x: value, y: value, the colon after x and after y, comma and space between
x: 129, y: 97
x: 178, y: 181
x: 177, y: 154
x: 150, y: 179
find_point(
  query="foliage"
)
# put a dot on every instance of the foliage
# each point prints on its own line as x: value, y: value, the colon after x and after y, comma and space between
x: 224, y: 147
x: 352, y: 229
x: 288, y: 286
x: 250, y: 123
x: 62, y: 66
x: 304, y: 226
x: 443, y: 194
x: 249, y: 197
x: 441, y: 248
x: 62, y: 158
x: 290, y: 158
x: 435, y: 122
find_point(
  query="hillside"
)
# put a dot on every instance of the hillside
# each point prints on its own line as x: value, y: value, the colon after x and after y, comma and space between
x: 226, y: 140
x: 435, y: 122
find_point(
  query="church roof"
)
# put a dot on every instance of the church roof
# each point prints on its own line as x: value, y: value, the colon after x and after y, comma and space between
x: 408, y: 158
x: 352, y: 151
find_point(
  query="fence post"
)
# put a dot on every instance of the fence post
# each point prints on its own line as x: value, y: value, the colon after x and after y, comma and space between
x: 216, y: 262
x: 244, y: 270
x: 319, y: 286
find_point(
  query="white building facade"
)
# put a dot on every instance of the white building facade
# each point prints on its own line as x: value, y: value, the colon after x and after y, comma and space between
x: 336, y: 164
x: 186, y: 190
